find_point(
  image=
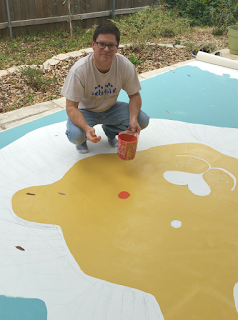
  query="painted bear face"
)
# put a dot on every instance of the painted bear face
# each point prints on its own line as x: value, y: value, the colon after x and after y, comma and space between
x: 165, y: 223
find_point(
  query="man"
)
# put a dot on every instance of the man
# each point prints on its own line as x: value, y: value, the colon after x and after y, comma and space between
x: 91, y: 90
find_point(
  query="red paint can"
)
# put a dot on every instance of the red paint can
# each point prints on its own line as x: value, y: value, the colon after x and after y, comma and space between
x: 127, y: 144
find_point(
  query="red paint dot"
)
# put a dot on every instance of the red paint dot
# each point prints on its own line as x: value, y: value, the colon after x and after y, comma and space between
x: 124, y: 195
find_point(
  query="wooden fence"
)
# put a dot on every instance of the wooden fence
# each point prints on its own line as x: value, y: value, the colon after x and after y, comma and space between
x: 36, y: 15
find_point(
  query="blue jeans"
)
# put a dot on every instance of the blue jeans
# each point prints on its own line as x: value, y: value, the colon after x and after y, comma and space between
x: 114, y: 120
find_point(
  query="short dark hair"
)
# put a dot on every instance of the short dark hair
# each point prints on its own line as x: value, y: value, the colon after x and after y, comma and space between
x: 107, y: 27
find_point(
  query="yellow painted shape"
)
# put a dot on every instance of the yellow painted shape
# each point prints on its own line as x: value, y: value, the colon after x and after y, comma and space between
x: 190, y: 270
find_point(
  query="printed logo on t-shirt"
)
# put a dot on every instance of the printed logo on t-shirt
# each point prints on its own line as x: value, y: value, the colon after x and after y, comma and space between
x: 104, y: 91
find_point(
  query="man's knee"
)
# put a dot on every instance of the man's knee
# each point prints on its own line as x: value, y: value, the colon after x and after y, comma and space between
x: 76, y: 139
x: 75, y: 134
x: 143, y: 119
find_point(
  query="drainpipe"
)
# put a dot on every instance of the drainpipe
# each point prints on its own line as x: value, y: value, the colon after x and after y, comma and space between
x: 8, y: 18
x: 113, y: 9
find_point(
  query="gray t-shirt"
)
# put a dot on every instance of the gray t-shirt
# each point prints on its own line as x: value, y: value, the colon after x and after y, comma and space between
x: 96, y: 91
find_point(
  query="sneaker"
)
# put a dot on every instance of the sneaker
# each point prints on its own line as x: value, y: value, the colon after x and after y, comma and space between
x: 82, y: 148
x: 113, y: 142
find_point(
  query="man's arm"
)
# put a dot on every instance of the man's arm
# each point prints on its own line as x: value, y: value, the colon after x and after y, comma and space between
x: 78, y: 119
x: 134, y: 109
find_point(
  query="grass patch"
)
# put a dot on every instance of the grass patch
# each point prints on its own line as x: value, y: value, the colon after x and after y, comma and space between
x: 37, y: 48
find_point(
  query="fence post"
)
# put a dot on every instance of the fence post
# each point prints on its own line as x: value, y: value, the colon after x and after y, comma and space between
x: 113, y: 9
x: 9, y: 18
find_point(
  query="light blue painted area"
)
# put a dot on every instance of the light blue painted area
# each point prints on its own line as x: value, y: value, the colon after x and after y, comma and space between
x: 186, y: 94
x: 7, y: 137
x: 22, y: 309
x: 191, y: 95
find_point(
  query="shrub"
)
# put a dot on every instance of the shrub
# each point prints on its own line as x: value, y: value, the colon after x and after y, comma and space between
x: 195, y: 9
x: 134, y: 60
x: 200, y: 10
x: 155, y: 22
x: 224, y: 15
x: 35, y: 78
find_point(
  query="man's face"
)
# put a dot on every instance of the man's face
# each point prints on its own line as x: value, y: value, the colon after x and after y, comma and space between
x: 103, y: 57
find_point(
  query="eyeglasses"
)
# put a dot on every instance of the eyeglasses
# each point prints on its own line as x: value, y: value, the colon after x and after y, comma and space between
x: 102, y: 45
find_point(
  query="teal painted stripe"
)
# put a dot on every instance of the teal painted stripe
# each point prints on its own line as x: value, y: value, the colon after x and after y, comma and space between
x: 8, y: 136
x: 22, y: 309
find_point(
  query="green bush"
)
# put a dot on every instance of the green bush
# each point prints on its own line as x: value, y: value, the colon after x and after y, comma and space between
x: 143, y: 26
x: 224, y: 15
x: 199, y: 11
x: 134, y: 60
x: 35, y: 78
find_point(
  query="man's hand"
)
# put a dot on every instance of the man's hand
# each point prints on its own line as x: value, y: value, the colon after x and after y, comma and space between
x: 134, y: 125
x: 77, y: 118
x: 91, y: 136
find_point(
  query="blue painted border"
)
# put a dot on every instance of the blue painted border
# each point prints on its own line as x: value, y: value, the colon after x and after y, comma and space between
x: 8, y: 136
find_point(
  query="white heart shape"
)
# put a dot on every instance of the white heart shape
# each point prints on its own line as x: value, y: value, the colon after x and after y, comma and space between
x: 196, y: 183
